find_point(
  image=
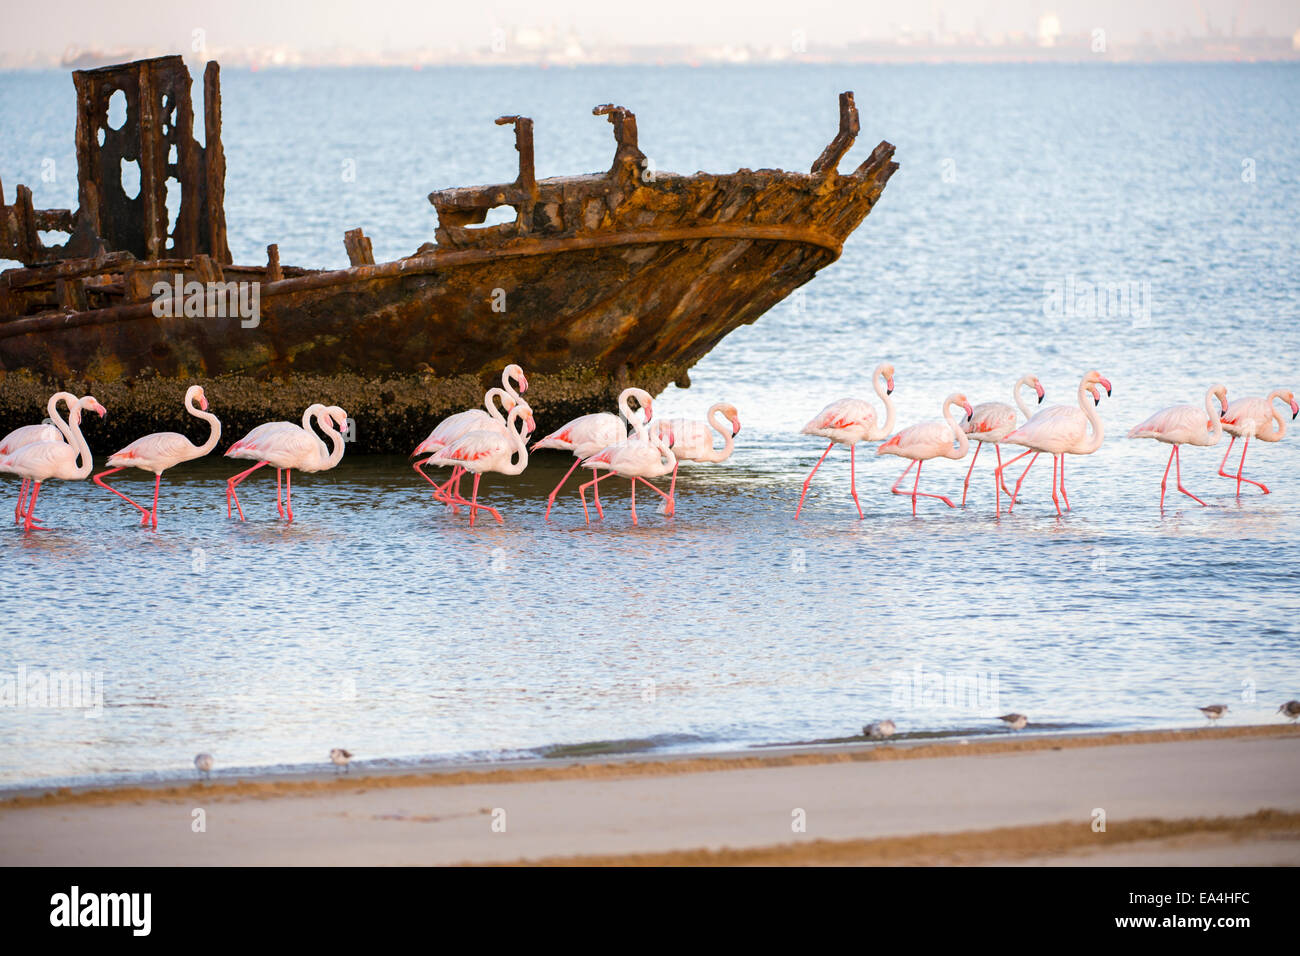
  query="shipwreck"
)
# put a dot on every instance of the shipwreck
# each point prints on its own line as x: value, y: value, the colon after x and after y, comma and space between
x: 629, y: 275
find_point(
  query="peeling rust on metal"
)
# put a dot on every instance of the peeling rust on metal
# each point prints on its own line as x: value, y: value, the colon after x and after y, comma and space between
x: 628, y: 275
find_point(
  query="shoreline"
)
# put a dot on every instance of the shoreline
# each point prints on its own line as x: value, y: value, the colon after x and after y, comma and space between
x: 1217, y: 796
x: 611, y: 765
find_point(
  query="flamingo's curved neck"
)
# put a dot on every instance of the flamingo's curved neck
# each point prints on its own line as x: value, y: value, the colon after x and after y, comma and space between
x: 515, y: 429
x: 1275, y: 396
x: 728, y: 439
x: 1215, y: 425
x: 313, y: 411
x: 78, y: 441
x: 963, y: 443
x: 331, y: 429
x: 634, y: 420
x: 1020, y: 402
x: 52, y: 410
x: 1090, y: 413
x: 507, y: 386
x: 214, y: 426
x: 878, y: 381
x: 490, y: 398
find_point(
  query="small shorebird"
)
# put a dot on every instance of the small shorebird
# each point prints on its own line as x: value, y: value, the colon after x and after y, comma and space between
x: 1214, y: 711
x: 849, y: 421
x: 1015, y: 721
x: 203, y: 763
x: 340, y: 757
x: 1290, y: 709
x: 880, y: 729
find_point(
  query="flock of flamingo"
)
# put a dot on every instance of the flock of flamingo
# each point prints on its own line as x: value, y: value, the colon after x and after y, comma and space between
x: 494, y: 439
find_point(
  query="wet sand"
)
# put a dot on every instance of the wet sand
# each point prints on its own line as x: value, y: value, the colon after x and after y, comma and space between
x: 1170, y: 798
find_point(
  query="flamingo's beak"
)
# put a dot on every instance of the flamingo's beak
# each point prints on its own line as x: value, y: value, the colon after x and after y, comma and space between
x: 532, y: 425
x: 889, y: 385
x: 203, y: 402
x: 649, y: 412
x: 103, y: 412
x: 1295, y: 409
x: 969, y: 411
x: 735, y: 427
x: 1038, y: 387
x: 1106, y: 383
x: 523, y: 384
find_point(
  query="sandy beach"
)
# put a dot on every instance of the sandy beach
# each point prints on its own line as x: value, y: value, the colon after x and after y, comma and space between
x: 1216, y: 796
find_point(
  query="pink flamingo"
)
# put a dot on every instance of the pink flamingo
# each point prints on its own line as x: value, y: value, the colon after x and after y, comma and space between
x: 588, y: 435
x: 455, y: 427
x: 163, y: 450
x: 488, y: 450
x: 1060, y: 430
x: 30, y: 435
x: 43, y: 460
x: 849, y: 421
x: 928, y: 440
x: 691, y: 439
x: 991, y: 422
x: 1181, y: 425
x: 635, y: 459
x: 460, y: 424
x: 288, y: 446
x: 1255, y: 418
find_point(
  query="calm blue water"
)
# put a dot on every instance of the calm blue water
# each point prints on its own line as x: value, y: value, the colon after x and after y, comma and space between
x: 379, y: 623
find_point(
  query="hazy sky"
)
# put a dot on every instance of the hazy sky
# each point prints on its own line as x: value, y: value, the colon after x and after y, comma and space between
x: 54, y: 25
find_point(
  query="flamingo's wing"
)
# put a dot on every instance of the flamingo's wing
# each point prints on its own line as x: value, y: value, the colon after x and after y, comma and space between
x: 159, y: 447
x: 475, y: 447
x: 922, y: 437
x: 28, y: 435
x: 989, y: 417
x: 260, y: 433
x: 845, y: 413
x: 39, y: 458
x: 1171, y: 422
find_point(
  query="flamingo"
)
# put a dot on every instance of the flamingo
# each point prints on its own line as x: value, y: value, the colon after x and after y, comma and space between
x: 163, y: 450
x: 849, y: 421
x: 43, y: 460
x: 992, y: 422
x: 488, y: 450
x: 462, y: 423
x: 288, y: 446
x: 1060, y: 430
x: 1255, y: 418
x: 635, y: 459
x: 30, y: 435
x: 928, y: 440
x: 588, y: 435
x: 457, y: 426
x: 692, y: 440
x: 1184, y: 425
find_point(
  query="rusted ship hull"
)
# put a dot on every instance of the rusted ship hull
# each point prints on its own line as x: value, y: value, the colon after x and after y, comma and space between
x: 602, y: 280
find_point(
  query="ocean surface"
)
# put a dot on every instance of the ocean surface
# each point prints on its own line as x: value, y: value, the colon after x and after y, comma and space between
x: 380, y: 623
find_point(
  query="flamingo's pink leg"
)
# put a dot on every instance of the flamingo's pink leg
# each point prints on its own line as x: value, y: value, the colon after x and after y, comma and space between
x: 894, y: 487
x: 810, y: 477
x: 475, y: 507
x: 1015, y: 495
x: 1164, y: 481
x: 1002, y: 481
x: 926, y: 494
x: 1055, y: 500
x: 234, y: 480
x: 670, y: 505
x: 279, y: 491
x: 443, y: 491
x: 28, y: 523
x: 550, y: 501
x: 1241, y: 467
x: 595, y: 492
x: 853, y: 478
x: 964, y: 487
x: 1064, y: 496
x: 1178, y: 476
x: 18, y: 508
x: 153, y: 515
x: 997, y: 481
x: 456, y: 497
x: 915, y: 485
x: 437, y: 488
x: 1231, y: 441
x: 582, y: 492
x: 668, y: 501
x: 99, y: 480
x: 288, y: 492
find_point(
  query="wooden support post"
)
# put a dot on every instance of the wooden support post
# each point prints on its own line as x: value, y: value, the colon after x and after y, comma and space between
x: 359, y: 249
x: 830, y: 158
x: 273, y: 271
x: 71, y: 294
